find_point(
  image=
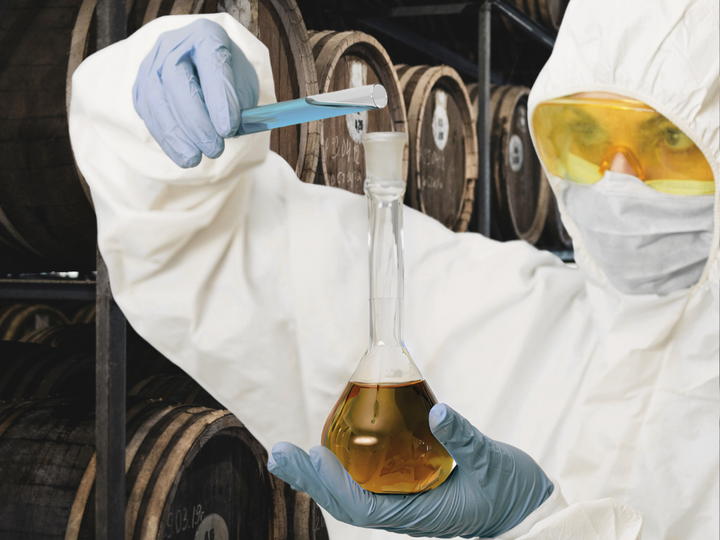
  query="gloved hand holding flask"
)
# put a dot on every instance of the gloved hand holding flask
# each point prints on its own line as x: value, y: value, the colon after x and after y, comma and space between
x: 493, y: 488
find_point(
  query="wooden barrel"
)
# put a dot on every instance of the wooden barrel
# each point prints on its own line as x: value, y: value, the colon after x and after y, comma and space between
x: 521, y: 192
x: 189, y: 470
x: 548, y: 13
x: 84, y: 314
x: 174, y: 388
x: 279, y: 25
x: 143, y: 360
x: 70, y: 337
x: 307, y: 520
x: 346, y: 60
x: 46, y: 219
x: 19, y: 320
x: 46, y: 222
x: 472, y: 90
x: 50, y: 366
x: 443, y: 144
x: 30, y: 370
x: 520, y: 197
x: 36, y: 370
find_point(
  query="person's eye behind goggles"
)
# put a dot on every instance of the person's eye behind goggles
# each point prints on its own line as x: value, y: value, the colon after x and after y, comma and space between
x: 577, y: 139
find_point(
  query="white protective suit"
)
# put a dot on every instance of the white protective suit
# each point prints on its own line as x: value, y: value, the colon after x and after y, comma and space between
x: 257, y: 285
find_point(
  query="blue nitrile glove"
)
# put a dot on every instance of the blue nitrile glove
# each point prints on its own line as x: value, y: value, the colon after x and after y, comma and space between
x: 492, y: 489
x: 190, y: 90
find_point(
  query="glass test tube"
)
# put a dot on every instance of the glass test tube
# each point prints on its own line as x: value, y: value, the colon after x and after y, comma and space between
x: 319, y: 107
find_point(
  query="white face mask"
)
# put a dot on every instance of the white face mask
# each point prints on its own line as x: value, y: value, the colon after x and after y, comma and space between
x: 645, y: 241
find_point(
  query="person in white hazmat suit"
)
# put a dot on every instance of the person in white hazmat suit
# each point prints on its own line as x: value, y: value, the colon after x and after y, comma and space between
x: 256, y: 283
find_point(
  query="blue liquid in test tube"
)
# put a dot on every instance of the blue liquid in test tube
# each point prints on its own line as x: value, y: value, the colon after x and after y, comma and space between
x: 319, y: 107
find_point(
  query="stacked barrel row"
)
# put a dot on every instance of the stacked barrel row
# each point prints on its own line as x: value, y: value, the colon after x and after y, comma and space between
x: 522, y: 203
x: 192, y: 468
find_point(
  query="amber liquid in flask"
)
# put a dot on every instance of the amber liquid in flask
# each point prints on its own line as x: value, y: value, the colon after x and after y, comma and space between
x: 380, y: 433
x: 379, y: 427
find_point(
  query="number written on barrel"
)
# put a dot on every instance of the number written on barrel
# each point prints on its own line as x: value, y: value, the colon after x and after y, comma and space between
x: 183, y: 519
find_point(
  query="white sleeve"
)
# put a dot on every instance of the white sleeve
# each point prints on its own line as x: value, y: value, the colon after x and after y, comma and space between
x: 251, y: 281
x: 255, y: 283
x: 604, y: 519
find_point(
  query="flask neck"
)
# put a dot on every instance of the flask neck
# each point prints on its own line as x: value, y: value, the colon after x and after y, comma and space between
x: 386, y: 267
x: 385, y: 188
x: 386, y: 361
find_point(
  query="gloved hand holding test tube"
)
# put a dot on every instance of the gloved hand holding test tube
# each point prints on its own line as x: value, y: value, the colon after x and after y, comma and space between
x: 196, y: 88
x: 318, y: 107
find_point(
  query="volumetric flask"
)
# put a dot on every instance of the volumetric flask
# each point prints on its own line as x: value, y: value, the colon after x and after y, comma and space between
x: 379, y: 427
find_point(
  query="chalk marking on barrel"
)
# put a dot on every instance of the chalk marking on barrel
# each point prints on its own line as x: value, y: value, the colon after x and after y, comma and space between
x: 196, y: 518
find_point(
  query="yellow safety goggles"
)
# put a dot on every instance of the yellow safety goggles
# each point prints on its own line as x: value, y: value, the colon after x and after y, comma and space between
x: 578, y: 138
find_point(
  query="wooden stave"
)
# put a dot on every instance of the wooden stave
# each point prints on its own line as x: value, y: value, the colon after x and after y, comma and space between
x: 329, y: 48
x: 472, y: 91
x: 308, y: 522
x: 505, y: 218
x: 505, y: 101
x: 548, y: 13
x: 85, y: 314
x: 66, y: 351
x: 552, y: 12
x: 79, y: 338
x: 466, y: 211
x: 33, y: 371
x: 16, y: 319
x: 175, y: 389
x: 473, y: 94
x: 426, y: 77
x: 71, y: 338
x: 27, y: 243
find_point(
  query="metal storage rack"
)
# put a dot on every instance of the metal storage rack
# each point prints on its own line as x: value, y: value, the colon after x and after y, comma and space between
x: 111, y: 323
x: 109, y: 386
x: 110, y: 348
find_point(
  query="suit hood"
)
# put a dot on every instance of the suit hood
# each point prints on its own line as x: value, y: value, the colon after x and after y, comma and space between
x: 661, y: 52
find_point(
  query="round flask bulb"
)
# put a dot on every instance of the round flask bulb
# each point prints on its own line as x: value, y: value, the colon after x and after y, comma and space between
x: 381, y: 435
